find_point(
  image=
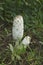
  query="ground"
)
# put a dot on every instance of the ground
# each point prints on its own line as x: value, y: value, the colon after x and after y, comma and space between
x: 32, y: 56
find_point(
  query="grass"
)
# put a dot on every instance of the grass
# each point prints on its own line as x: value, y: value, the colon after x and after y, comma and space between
x: 32, y: 12
x: 32, y: 56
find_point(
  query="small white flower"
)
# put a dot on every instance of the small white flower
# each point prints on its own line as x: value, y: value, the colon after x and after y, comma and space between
x: 18, y: 28
x: 26, y: 41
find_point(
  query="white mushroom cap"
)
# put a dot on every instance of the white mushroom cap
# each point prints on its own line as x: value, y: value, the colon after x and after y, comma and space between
x: 18, y: 28
x: 26, y: 41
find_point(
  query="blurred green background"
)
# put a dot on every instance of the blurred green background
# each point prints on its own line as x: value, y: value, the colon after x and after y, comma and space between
x: 32, y: 12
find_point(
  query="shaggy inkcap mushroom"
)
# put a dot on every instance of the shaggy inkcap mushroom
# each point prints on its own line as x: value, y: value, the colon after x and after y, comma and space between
x: 18, y: 28
x: 26, y: 41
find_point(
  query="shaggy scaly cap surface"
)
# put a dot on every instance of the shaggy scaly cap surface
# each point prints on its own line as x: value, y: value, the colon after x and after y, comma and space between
x: 18, y: 28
